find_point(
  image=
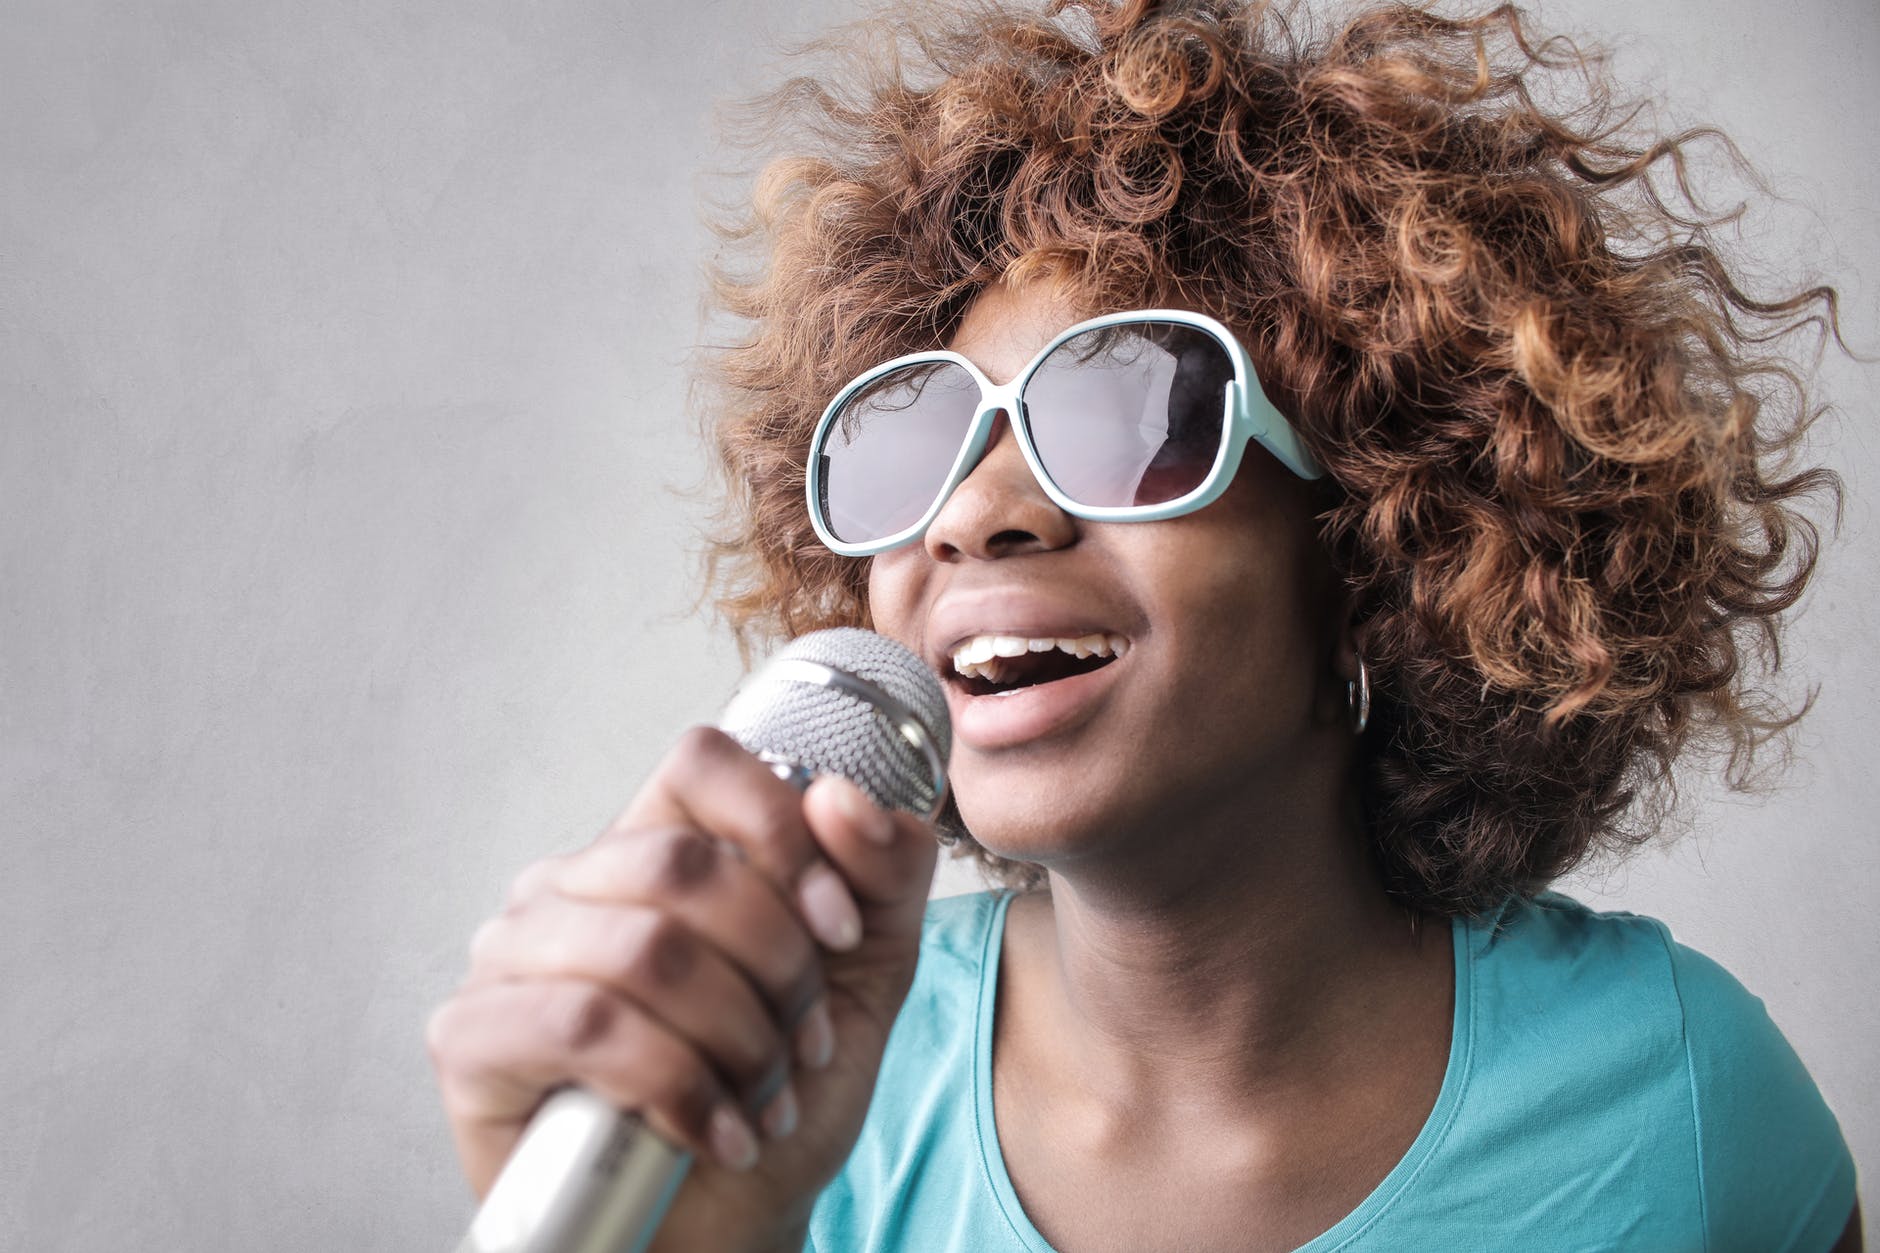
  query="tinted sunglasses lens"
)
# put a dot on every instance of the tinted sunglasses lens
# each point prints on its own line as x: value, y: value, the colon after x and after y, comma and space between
x: 1132, y: 414
x: 886, y: 455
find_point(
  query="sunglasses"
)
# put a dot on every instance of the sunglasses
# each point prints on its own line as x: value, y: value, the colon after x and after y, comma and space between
x: 1129, y: 417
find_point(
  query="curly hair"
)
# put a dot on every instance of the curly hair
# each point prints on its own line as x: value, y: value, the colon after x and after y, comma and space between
x: 1562, y: 455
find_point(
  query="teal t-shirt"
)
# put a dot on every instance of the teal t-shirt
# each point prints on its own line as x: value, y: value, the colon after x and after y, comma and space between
x: 1607, y: 1088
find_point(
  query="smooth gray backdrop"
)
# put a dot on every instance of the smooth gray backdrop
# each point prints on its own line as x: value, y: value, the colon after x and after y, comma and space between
x: 342, y: 357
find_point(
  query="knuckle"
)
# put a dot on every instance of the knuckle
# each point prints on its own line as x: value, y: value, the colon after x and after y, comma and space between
x: 579, y: 1018
x: 693, y: 1108
x: 750, y: 1051
x: 799, y: 978
x: 702, y: 744
x: 777, y: 956
x: 487, y: 940
x: 687, y: 859
x: 622, y: 831
x: 688, y: 1093
x: 779, y: 833
x: 528, y: 885
x: 661, y: 953
x: 789, y: 982
x: 663, y: 1076
x: 761, y: 1075
x: 801, y: 993
x: 438, y: 1037
x: 797, y: 962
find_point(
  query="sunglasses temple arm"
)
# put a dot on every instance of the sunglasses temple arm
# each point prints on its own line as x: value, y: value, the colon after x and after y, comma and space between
x: 1277, y: 436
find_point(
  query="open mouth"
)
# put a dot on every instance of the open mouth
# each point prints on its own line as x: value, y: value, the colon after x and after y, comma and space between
x: 998, y: 665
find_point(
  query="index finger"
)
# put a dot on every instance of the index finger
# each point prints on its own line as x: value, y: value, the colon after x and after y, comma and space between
x: 711, y: 783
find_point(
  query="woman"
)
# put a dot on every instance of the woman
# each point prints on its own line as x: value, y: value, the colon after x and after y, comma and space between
x: 1275, y: 757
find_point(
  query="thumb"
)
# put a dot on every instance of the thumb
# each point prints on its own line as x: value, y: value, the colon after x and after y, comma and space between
x: 886, y: 857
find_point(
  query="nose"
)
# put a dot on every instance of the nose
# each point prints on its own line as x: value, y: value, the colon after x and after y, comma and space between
x: 999, y: 509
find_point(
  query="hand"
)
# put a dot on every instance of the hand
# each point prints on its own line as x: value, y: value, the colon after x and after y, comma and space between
x: 725, y: 959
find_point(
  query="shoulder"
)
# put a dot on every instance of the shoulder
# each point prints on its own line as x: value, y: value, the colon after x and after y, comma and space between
x: 1773, y: 1157
x: 958, y: 944
x: 1611, y: 1014
x: 923, y: 1121
x: 933, y: 1031
x: 960, y: 923
x: 1611, y: 968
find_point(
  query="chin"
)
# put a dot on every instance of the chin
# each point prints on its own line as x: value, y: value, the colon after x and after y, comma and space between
x: 1037, y: 825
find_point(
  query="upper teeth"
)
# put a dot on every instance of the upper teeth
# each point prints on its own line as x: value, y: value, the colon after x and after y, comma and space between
x: 974, y: 657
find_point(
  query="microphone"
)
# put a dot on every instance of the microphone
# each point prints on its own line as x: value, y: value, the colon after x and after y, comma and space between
x: 589, y: 1178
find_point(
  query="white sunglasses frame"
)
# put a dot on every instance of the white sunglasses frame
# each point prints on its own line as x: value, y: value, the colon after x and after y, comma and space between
x: 1250, y: 417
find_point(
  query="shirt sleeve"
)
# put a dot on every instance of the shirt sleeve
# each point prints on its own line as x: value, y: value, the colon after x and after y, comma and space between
x: 1774, y: 1172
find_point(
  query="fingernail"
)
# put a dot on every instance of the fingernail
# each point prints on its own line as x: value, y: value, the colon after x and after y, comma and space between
x: 868, y: 818
x: 780, y: 1115
x: 829, y: 908
x: 733, y: 1141
x: 816, y: 1037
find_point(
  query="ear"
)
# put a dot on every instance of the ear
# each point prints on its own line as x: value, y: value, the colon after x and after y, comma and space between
x: 1348, y: 634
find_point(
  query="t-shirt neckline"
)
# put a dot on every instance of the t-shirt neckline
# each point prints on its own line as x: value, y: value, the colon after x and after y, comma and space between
x: 1368, y: 1211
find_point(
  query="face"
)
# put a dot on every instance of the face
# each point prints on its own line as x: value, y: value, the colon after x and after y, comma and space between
x: 1219, y: 643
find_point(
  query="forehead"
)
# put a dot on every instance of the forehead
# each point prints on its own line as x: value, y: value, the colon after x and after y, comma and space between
x: 1006, y: 325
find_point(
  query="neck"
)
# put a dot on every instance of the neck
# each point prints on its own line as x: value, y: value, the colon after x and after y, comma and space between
x: 1248, y: 965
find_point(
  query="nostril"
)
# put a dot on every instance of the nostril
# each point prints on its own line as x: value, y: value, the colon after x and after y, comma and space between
x: 1012, y: 540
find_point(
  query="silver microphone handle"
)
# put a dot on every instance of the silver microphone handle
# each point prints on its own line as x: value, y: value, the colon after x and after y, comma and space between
x: 585, y: 1178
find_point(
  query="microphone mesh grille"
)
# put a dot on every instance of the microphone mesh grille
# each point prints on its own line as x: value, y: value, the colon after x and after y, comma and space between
x: 830, y: 731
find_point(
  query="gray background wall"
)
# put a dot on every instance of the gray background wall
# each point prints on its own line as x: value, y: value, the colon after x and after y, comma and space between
x: 341, y: 386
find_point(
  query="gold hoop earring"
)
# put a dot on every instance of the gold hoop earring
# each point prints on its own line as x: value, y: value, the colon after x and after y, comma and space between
x: 1358, y: 699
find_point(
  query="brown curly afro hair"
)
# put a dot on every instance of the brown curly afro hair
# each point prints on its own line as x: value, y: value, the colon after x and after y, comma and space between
x: 1560, y: 438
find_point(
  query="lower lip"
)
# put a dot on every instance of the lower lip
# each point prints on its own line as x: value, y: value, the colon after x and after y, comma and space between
x: 1029, y: 713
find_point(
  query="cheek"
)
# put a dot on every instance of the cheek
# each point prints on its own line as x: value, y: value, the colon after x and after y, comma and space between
x: 893, y: 597
x: 1244, y: 618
